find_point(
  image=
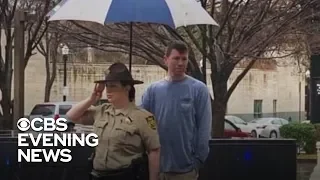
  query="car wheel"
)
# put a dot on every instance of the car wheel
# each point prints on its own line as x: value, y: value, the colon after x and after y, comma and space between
x: 254, y: 133
x: 273, y: 134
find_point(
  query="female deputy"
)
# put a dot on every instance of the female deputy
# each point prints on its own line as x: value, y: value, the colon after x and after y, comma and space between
x: 125, y: 131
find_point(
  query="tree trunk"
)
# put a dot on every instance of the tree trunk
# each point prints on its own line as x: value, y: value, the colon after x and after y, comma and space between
x: 1, y: 106
x: 195, y: 73
x: 6, y: 108
x: 6, y: 85
x: 219, y: 106
x: 50, y: 77
x: 193, y: 68
x: 47, y: 87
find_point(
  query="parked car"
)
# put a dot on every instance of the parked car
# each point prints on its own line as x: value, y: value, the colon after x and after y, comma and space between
x: 269, y: 127
x: 244, y: 126
x: 231, y: 130
x: 53, y: 110
x: 306, y: 122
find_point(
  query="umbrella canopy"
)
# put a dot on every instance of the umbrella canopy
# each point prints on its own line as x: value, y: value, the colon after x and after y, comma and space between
x: 174, y: 13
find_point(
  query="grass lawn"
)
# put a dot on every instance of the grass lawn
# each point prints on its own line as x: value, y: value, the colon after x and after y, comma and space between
x: 307, y: 156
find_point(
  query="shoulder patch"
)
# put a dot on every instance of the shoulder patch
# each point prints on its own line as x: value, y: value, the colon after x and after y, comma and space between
x: 151, y: 122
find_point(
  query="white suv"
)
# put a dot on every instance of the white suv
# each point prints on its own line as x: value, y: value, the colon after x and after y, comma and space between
x: 52, y: 110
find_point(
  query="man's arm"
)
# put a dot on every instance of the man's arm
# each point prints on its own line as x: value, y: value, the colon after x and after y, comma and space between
x: 203, y: 123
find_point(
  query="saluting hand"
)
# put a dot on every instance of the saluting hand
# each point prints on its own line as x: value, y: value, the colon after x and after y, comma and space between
x: 97, y: 92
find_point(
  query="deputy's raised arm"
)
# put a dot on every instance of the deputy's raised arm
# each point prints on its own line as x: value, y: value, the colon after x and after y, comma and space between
x: 83, y: 112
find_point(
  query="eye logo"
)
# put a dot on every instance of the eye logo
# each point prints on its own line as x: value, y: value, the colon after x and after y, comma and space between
x: 23, y: 124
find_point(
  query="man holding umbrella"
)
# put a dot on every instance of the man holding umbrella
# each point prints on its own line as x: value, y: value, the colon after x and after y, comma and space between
x: 182, y: 107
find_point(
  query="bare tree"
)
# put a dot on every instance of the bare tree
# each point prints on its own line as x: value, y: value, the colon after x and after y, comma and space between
x: 48, y: 47
x: 312, y: 30
x: 251, y: 32
x: 34, y: 30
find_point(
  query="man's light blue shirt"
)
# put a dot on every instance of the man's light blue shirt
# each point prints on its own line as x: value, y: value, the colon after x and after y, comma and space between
x: 183, y: 113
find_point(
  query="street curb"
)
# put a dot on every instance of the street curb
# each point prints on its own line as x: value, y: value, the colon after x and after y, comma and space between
x: 307, y: 161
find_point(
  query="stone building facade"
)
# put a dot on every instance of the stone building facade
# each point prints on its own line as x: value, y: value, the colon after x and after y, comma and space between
x: 273, y: 92
x: 261, y: 93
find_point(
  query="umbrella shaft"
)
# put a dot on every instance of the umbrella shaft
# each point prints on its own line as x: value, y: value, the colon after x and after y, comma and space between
x: 130, y: 50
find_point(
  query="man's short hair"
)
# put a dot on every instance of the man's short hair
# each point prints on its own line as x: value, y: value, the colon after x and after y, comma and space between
x: 180, y: 46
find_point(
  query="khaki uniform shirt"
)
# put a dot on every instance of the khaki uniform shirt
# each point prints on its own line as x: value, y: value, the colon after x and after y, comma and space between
x: 123, y: 135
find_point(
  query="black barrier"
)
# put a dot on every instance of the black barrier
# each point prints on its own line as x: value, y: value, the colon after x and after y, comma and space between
x: 10, y: 169
x: 250, y: 159
x: 229, y: 159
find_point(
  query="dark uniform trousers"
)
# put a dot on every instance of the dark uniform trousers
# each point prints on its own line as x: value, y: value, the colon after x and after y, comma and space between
x: 121, y: 174
x: 138, y: 170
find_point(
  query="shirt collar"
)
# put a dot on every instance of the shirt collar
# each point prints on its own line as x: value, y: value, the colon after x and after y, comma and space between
x: 124, y: 112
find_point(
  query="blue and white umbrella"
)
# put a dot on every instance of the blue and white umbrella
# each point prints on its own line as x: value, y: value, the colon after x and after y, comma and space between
x: 174, y: 13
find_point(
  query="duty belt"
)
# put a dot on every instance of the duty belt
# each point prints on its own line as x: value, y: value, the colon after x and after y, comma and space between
x: 111, y: 172
x: 137, y: 170
x: 124, y: 173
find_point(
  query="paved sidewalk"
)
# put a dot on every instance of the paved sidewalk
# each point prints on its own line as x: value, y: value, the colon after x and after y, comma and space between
x: 316, y: 171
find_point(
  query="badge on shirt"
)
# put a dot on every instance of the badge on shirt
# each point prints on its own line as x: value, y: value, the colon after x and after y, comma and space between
x: 128, y: 120
x: 151, y: 122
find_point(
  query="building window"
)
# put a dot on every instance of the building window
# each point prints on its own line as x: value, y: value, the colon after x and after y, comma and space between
x: 257, y: 109
x: 274, y: 107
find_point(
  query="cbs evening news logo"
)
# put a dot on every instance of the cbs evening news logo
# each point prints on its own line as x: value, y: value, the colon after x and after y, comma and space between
x: 54, y: 145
